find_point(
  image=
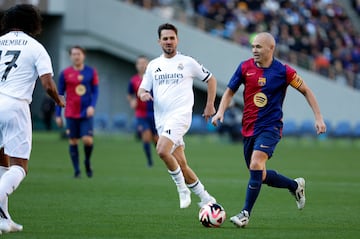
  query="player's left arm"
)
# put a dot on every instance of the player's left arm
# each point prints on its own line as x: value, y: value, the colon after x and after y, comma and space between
x: 209, y: 110
x: 90, y: 111
x: 299, y: 84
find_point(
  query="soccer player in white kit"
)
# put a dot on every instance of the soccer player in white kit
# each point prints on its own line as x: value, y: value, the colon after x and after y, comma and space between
x: 22, y: 61
x: 170, y: 77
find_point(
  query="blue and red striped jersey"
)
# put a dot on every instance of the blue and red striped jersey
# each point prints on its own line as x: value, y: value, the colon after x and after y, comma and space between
x: 80, y: 88
x: 264, y: 94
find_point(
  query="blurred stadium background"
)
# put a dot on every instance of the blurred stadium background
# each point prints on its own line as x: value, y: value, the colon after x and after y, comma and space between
x: 320, y: 38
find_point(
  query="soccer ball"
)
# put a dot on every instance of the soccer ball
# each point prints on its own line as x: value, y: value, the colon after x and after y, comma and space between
x: 212, y: 215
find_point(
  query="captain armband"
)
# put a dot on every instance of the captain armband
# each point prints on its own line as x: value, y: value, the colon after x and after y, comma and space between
x: 297, y: 81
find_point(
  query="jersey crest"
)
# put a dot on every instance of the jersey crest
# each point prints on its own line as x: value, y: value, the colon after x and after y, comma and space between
x: 261, y: 81
x: 180, y: 67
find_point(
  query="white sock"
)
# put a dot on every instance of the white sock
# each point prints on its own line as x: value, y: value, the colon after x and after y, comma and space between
x: 178, y: 178
x: 199, y: 189
x: 4, y: 203
x: 10, y: 180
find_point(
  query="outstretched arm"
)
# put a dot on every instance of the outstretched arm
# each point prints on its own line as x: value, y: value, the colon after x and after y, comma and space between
x: 211, y: 94
x: 224, y: 104
x: 311, y: 99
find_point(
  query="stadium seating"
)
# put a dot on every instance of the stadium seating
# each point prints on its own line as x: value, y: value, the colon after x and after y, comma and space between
x: 120, y: 121
x: 307, y: 128
x: 297, y: 24
x: 342, y: 129
x: 290, y: 128
x: 101, y: 121
x: 356, y: 130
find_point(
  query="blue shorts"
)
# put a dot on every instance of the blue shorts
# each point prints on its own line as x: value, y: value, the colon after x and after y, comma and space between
x: 147, y: 123
x: 266, y: 142
x: 77, y: 128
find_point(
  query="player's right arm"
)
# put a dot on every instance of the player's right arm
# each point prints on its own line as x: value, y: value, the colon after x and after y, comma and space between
x: 144, y: 91
x: 224, y: 104
x: 144, y: 95
x: 146, y: 85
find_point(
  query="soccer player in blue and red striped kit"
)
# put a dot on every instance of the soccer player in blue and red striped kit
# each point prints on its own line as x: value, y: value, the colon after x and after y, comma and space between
x: 79, y: 84
x: 144, y: 111
x: 265, y: 81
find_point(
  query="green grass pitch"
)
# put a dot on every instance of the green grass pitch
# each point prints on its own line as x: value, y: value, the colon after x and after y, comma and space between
x: 125, y: 199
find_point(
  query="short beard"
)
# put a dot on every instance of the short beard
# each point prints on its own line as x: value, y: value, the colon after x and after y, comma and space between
x: 168, y: 52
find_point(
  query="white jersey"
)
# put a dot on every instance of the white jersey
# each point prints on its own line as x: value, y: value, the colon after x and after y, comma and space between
x: 22, y: 60
x: 171, y: 80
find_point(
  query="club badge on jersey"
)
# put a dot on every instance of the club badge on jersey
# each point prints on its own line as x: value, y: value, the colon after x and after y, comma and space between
x: 262, y: 81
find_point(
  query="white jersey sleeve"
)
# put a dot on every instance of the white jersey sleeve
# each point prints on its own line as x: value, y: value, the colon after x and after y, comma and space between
x: 147, y: 81
x: 199, y: 71
x: 22, y: 61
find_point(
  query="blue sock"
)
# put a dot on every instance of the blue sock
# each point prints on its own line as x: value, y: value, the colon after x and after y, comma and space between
x: 273, y: 179
x: 253, y: 189
x: 88, y: 151
x: 147, y: 149
x: 74, y: 155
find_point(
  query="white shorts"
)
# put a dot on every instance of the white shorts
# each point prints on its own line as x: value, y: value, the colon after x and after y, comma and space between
x: 15, y: 127
x: 175, y: 127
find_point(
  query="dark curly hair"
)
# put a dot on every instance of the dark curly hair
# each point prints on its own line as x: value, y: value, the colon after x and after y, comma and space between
x: 23, y: 17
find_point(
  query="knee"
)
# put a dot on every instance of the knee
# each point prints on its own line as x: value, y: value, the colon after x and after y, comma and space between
x: 162, y: 152
x: 73, y: 141
x: 87, y: 140
x: 256, y: 165
x: 146, y: 136
x: 258, y: 161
